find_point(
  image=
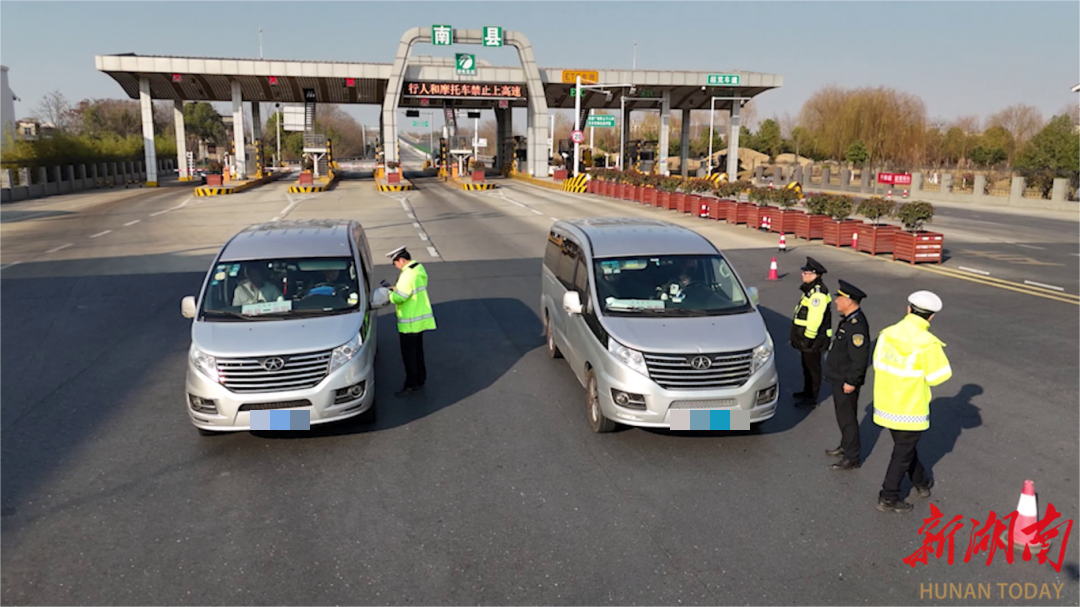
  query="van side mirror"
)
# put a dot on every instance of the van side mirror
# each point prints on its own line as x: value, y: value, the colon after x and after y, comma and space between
x: 754, y: 295
x: 571, y: 302
x: 187, y: 307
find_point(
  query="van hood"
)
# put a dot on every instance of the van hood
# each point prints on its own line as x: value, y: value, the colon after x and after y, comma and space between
x: 269, y: 337
x: 688, y: 335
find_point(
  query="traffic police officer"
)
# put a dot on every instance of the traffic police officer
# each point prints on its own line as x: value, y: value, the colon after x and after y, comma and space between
x: 908, y: 361
x: 845, y: 370
x: 811, y: 329
x: 414, y: 316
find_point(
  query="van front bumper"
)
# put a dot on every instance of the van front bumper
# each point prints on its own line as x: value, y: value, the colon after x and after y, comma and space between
x: 660, y: 402
x: 232, y: 410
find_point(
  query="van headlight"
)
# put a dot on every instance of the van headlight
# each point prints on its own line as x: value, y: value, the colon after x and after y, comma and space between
x: 762, y: 355
x: 628, y: 356
x: 206, y: 364
x: 345, y: 352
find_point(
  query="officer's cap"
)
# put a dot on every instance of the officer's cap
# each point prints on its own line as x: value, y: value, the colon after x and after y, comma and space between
x: 925, y: 300
x: 850, y: 291
x: 395, y: 253
x: 812, y: 265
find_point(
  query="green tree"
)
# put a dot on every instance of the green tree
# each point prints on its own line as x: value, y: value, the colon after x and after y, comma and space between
x: 956, y: 145
x: 856, y: 154
x: 746, y: 139
x: 1052, y: 152
x: 202, y: 122
x: 768, y: 138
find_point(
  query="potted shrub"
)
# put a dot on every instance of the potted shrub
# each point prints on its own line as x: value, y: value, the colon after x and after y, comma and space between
x: 652, y: 190
x: 477, y: 170
x: 592, y: 186
x: 913, y: 244
x: 704, y: 205
x: 811, y: 224
x: 676, y: 197
x: 761, y: 197
x: 560, y: 168
x: 666, y: 187
x: 838, y: 229
x: 785, y: 218
x: 728, y: 195
x: 746, y: 212
x: 875, y: 237
x: 689, y: 201
x: 392, y: 175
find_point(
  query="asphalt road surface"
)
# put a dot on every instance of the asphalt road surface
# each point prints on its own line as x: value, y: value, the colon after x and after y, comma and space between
x: 487, y: 488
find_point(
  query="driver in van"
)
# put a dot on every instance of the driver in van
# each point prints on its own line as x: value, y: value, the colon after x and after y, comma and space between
x: 328, y: 285
x: 254, y: 288
x: 673, y: 289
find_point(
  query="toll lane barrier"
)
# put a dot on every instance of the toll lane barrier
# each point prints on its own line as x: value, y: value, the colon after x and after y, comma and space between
x: 576, y: 184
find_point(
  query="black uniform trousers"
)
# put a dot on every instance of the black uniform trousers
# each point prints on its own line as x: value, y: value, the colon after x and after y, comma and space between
x: 811, y: 372
x: 905, y: 461
x: 847, y: 417
x: 412, y: 354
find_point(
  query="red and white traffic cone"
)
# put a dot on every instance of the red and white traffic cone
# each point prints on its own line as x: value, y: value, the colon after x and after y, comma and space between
x: 772, y: 270
x: 770, y: 184
x: 855, y: 240
x: 1027, y: 514
x: 889, y: 196
x: 783, y: 242
x: 905, y: 193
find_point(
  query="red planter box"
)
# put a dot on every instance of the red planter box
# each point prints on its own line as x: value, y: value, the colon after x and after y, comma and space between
x: 479, y: 176
x: 690, y: 203
x: 810, y: 227
x: 215, y: 180
x: 394, y: 177
x: 663, y: 199
x: 609, y: 189
x: 725, y: 210
x: 745, y: 212
x: 650, y: 197
x: 760, y: 213
x: 710, y: 208
x: 838, y: 233
x: 784, y: 220
x: 559, y: 174
x: 920, y: 247
x: 874, y: 239
x: 624, y: 191
x: 636, y: 195
x: 676, y: 201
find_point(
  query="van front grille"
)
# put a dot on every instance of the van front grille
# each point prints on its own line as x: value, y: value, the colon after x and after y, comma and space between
x: 683, y: 372
x: 274, y: 373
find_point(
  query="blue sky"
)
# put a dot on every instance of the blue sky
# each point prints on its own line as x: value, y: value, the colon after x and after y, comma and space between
x: 963, y: 58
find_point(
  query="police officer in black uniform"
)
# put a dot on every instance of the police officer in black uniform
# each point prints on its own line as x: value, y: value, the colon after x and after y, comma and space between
x: 811, y: 329
x: 845, y: 370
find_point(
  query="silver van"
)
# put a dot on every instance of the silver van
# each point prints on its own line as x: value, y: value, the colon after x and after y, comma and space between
x: 653, y: 319
x: 284, y: 321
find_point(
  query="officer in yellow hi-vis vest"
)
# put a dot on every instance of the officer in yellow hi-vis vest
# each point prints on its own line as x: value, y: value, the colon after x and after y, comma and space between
x: 414, y: 316
x: 908, y: 360
x: 811, y: 329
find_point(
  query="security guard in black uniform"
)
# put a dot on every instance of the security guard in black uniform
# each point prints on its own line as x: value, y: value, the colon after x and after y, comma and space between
x: 811, y: 329
x: 845, y: 370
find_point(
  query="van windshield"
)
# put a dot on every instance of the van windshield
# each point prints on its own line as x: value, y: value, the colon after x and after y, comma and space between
x: 673, y: 285
x: 281, y: 288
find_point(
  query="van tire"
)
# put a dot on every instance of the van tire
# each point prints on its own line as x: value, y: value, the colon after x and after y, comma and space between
x: 597, y: 421
x: 203, y: 432
x: 549, y: 339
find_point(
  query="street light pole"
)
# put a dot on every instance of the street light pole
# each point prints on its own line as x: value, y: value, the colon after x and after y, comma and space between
x: 622, y: 131
x: 577, y: 124
x: 278, y: 112
x: 260, y: 44
x: 712, y: 115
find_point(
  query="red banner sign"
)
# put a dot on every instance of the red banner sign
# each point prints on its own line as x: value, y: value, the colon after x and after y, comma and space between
x: 894, y: 178
x: 464, y: 90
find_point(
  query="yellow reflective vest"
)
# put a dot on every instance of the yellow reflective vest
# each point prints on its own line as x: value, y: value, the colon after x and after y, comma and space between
x: 908, y: 360
x: 811, y: 316
x: 410, y: 299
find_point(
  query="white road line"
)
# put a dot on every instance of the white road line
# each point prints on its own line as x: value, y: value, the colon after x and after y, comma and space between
x: 535, y: 211
x: 974, y: 271
x: 100, y: 234
x: 423, y: 237
x: 59, y: 248
x: 553, y: 218
x: 276, y: 219
x: 416, y: 224
x: 292, y: 205
x: 404, y: 204
x: 160, y: 213
x: 14, y: 263
x: 1077, y: 254
x: 131, y: 223
x: 411, y: 216
x: 1043, y: 285
x: 1029, y: 246
x: 434, y: 252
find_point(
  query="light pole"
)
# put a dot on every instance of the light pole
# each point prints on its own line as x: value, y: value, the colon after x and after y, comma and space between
x: 277, y: 107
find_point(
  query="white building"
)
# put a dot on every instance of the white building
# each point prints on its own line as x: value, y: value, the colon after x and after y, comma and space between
x: 7, y: 101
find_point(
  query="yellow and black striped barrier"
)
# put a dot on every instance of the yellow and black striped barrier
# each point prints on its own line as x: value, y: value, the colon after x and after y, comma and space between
x: 307, y: 189
x: 480, y: 185
x: 212, y: 191
x: 576, y: 184
x: 395, y: 187
x: 795, y: 185
x: 717, y: 179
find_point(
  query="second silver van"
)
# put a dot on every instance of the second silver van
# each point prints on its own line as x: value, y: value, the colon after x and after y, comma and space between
x: 653, y: 319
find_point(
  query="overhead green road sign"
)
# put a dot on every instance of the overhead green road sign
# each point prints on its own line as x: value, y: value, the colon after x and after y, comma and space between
x: 600, y: 121
x: 417, y: 123
x: 466, y: 64
x: 723, y: 80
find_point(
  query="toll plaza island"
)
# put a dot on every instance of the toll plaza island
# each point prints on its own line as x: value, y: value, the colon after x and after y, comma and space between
x: 412, y: 82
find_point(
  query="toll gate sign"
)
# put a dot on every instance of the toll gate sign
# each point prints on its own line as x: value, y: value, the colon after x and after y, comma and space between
x: 457, y: 90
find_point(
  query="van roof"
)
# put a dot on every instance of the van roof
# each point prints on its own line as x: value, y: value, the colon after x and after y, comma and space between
x: 622, y: 236
x: 282, y: 239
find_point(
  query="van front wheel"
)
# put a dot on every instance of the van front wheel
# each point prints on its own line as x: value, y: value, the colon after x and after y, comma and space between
x: 552, y: 349
x: 597, y: 421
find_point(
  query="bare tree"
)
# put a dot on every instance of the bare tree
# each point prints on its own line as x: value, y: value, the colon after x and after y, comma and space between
x: 1022, y: 121
x: 890, y: 124
x: 54, y: 108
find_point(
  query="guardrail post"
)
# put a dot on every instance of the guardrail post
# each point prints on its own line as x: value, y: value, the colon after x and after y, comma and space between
x: 826, y: 175
x: 979, y: 187
x: 1016, y: 192
x: 946, y: 183
x: 1061, y: 189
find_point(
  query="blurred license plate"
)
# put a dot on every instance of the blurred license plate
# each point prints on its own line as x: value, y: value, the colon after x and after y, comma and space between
x: 709, y: 419
x: 281, y: 419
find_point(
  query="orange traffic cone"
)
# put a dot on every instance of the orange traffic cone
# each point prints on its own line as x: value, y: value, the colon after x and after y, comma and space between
x: 772, y: 270
x: 1027, y: 514
x: 783, y: 242
x: 855, y: 240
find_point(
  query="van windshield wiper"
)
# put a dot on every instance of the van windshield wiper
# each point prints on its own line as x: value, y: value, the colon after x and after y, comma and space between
x: 222, y: 313
x: 643, y: 311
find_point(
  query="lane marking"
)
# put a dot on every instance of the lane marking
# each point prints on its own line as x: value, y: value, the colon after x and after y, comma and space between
x: 423, y: 237
x: 176, y: 208
x: 292, y: 205
x: 160, y: 213
x: 131, y: 223
x: 14, y: 263
x: 1043, y: 285
x: 1028, y: 246
x: 553, y: 218
x: 410, y: 215
x: 59, y: 248
x: 995, y: 282
x: 431, y: 250
x: 535, y: 211
x: 416, y: 224
x: 100, y: 234
x: 974, y: 271
x: 404, y: 204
